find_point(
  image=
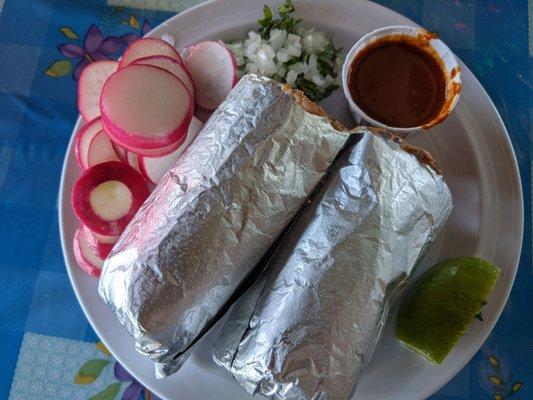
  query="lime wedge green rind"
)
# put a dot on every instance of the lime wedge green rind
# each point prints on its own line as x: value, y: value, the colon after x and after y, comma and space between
x: 441, y: 305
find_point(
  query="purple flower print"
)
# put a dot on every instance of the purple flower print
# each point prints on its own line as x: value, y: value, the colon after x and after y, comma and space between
x: 132, y: 37
x: 146, y: 28
x: 135, y: 389
x: 95, y: 48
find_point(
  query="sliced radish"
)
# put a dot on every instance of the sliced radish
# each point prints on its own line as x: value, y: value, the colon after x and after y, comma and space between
x: 87, y: 259
x: 101, y: 249
x: 121, y: 151
x: 186, y: 51
x: 100, y: 238
x: 84, y: 138
x: 101, y: 150
x: 107, y: 196
x: 147, y: 47
x: 133, y: 160
x: 213, y: 69
x: 168, y: 38
x: 146, y: 109
x: 172, y: 66
x: 90, y: 86
x: 153, y: 168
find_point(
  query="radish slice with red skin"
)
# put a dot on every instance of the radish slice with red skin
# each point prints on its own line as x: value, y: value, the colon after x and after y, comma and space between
x: 153, y: 168
x: 121, y: 151
x: 100, y: 238
x: 102, y: 250
x: 159, y: 152
x: 84, y: 138
x: 146, y: 109
x: 147, y: 47
x: 107, y: 196
x: 186, y: 51
x: 213, y: 69
x: 172, y: 66
x: 101, y: 150
x: 133, y: 161
x: 90, y: 86
x: 87, y: 260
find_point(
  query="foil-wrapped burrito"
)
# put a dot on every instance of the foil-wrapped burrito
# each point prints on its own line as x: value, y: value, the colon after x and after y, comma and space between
x: 309, y: 326
x: 215, y: 214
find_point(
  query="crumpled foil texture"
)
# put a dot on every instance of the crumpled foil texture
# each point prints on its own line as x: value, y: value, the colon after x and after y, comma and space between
x: 214, y: 215
x: 309, y: 326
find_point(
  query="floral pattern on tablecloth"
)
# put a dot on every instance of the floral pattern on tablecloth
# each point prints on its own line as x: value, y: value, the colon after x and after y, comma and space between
x: 78, y: 53
x: 45, y: 340
x: 53, y: 368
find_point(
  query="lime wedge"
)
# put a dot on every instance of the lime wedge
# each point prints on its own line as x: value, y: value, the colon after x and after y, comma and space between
x: 441, y: 305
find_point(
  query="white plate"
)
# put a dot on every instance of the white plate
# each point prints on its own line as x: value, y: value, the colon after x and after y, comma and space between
x: 474, y: 151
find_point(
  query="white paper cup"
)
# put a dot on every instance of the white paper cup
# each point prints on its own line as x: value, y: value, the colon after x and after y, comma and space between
x: 449, y: 62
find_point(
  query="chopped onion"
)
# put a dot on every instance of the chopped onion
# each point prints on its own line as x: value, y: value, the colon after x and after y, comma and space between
x: 314, y: 42
x: 287, y: 56
x: 291, y: 77
x: 277, y: 39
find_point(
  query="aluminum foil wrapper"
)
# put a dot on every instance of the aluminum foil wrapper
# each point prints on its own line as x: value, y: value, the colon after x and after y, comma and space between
x: 309, y: 326
x: 215, y: 214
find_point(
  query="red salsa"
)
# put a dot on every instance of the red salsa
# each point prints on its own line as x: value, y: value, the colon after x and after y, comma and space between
x: 398, y: 83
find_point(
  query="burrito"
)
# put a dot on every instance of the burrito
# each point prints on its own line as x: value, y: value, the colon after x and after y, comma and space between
x: 214, y: 215
x: 309, y: 326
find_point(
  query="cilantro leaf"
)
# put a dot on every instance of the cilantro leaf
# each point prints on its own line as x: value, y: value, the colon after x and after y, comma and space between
x: 308, y: 87
x: 330, y: 89
x: 330, y: 53
x: 325, y: 68
x: 311, y: 90
x: 285, y: 10
x: 325, y: 60
x: 286, y: 20
x: 292, y: 61
x: 267, y: 17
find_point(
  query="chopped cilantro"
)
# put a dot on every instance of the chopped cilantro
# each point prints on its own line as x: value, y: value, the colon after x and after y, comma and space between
x: 266, y: 21
x: 326, y: 68
x: 286, y: 20
x: 330, y: 53
x: 311, y: 90
x: 326, y: 60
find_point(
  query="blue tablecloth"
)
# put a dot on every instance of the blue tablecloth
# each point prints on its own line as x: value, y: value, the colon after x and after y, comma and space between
x: 47, y: 348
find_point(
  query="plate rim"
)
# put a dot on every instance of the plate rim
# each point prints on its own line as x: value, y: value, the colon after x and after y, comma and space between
x: 515, y: 171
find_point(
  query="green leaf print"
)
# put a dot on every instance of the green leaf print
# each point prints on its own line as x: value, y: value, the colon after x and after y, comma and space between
x: 516, y: 386
x: 58, y: 68
x: 90, y: 371
x: 496, y: 380
x: 109, y: 393
x: 111, y: 19
x: 134, y: 22
x: 494, y: 363
x: 69, y: 32
x: 100, y: 346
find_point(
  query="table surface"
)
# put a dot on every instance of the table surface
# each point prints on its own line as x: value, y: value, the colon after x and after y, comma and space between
x: 47, y: 348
